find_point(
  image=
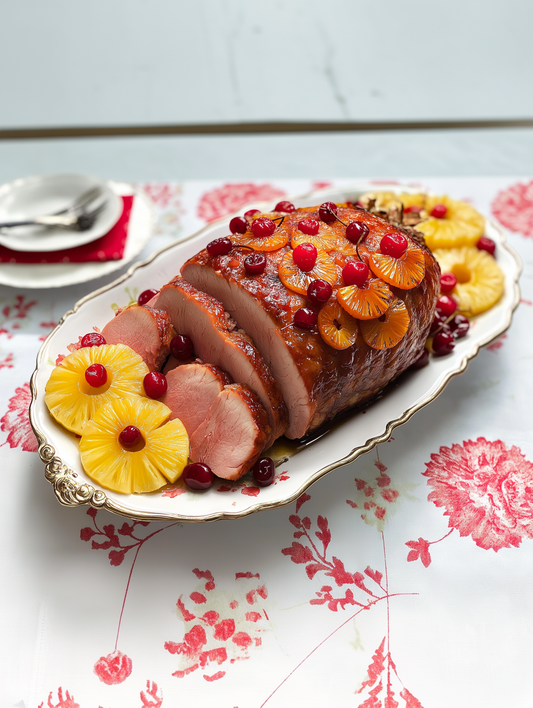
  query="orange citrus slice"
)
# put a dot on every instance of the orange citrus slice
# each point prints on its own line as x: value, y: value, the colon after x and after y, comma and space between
x: 368, y: 302
x: 324, y: 240
x: 277, y: 240
x: 405, y: 272
x: 336, y: 327
x: 298, y: 280
x: 386, y: 331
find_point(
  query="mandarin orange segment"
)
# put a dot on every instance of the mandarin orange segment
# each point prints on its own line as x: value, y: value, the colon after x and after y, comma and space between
x: 388, y: 330
x: 324, y: 240
x: 297, y: 280
x: 365, y: 303
x: 277, y: 240
x: 336, y: 327
x: 405, y: 272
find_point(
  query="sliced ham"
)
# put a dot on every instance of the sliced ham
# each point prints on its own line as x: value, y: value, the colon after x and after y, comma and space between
x: 146, y: 330
x: 233, y: 434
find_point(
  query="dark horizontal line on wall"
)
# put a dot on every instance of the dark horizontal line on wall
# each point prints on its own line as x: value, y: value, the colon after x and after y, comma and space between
x: 255, y: 128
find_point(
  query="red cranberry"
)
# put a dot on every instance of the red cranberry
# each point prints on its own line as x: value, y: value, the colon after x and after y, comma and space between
x: 263, y: 227
x: 422, y: 360
x: 412, y: 209
x: 327, y: 212
x: 304, y: 256
x: 394, y: 245
x: 319, y: 292
x: 446, y: 305
x: 93, y: 339
x: 285, y: 207
x: 96, y: 375
x: 219, y: 247
x: 251, y: 213
x: 198, y: 476
x: 355, y: 273
x: 130, y: 436
x: 356, y: 231
x: 439, y: 211
x: 305, y: 318
x: 155, y: 384
x: 438, y: 321
x: 486, y: 244
x: 181, y: 347
x: 448, y: 281
x: 255, y: 263
x: 443, y: 343
x: 238, y: 225
x: 264, y: 471
x: 309, y: 227
x: 146, y: 296
x: 459, y: 326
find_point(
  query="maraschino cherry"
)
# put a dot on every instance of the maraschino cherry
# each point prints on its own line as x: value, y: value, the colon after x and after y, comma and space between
x: 255, y: 263
x: 264, y: 471
x: 319, y: 292
x: 328, y: 212
x: 304, y: 256
x: 448, y: 281
x: 181, y: 347
x: 439, y: 211
x: 96, y: 375
x: 447, y: 305
x: 443, y: 343
x: 356, y: 231
x: 155, y: 384
x: 198, y: 476
x: 309, y: 227
x: 251, y: 213
x: 355, y: 273
x: 219, y: 247
x: 263, y: 227
x: 146, y: 296
x: 459, y: 326
x: 93, y: 339
x: 130, y: 436
x: 394, y: 245
x: 486, y: 244
x: 238, y: 225
x: 285, y: 207
x: 305, y: 318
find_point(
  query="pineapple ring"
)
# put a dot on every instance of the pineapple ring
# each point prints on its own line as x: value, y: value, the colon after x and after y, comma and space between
x: 336, y: 327
x: 387, y: 334
x: 384, y: 200
x: 406, y: 272
x: 279, y: 238
x: 365, y: 303
x: 298, y: 280
x: 480, y: 280
x: 461, y: 226
x: 161, y: 460
x: 72, y: 401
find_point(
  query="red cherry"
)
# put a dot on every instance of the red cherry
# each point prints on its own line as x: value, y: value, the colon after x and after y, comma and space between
x: 304, y: 256
x: 96, y: 375
x: 459, y: 326
x: 155, y: 384
x: 198, y: 476
x: 443, y: 343
x: 327, y: 212
x: 411, y: 209
x: 255, y: 263
x: 448, y: 281
x: 305, y: 318
x: 130, y: 436
x: 264, y: 471
x: 219, y: 247
x: 285, y: 207
x: 447, y: 305
x: 486, y: 244
x: 146, y: 296
x: 394, y: 245
x: 356, y: 231
x: 93, y: 339
x: 181, y: 347
x: 438, y: 321
x: 309, y: 227
x: 238, y: 225
x: 263, y: 227
x: 319, y: 292
x: 422, y: 360
x: 355, y: 273
x: 251, y: 213
x: 439, y: 211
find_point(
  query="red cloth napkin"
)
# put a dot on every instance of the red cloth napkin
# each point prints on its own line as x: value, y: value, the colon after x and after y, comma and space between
x: 107, y: 248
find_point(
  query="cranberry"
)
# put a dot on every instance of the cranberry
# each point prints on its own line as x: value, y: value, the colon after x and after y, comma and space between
x: 181, y: 347
x: 304, y: 256
x: 219, y: 247
x: 238, y: 225
x: 412, y: 209
x: 446, y: 305
x: 264, y: 471
x: 439, y: 211
x: 96, y: 375
x: 285, y: 207
x: 155, y: 384
x: 327, y: 212
x: 255, y: 263
x: 130, y: 436
x: 438, y: 321
x: 263, y: 227
x: 394, y: 245
x: 422, y: 360
x: 305, y: 318
x: 309, y: 227
x: 356, y: 231
x: 251, y: 213
x: 443, y: 343
x: 146, y: 296
x: 198, y: 476
x: 93, y: 339
x: 459, y: 326
x: 355, y: 273
x: 448, y: 281
x: 486, y: 244
x: 319, y: 292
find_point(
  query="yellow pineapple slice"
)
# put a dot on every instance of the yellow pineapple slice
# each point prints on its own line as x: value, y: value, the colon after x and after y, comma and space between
x: 272, y: 242
x: 480, y: 280
x: 389, y: 329
x: 385, y: 200
x: 368, y: 302
x: 461, y: 225
x: 72, y: 401
x: 158, y: 458
x: 405, y: 272
x: 298, y: 280
x: 336, y: 327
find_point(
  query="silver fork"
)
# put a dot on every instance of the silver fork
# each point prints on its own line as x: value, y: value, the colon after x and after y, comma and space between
x: 77, y: 221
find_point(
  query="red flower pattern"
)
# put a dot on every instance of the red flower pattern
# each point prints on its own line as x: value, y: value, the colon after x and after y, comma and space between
x: 513, y: 207
x: 66, y: 701
x: 113, y: 668
x: 223, y: 200
x: 150, y: 698
x: 16, y: 421
x: 486, y: 488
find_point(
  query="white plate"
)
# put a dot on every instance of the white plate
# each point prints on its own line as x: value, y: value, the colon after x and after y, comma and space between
x: 31, y: 197
x: 56, y: 275
x: 345, y: 440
